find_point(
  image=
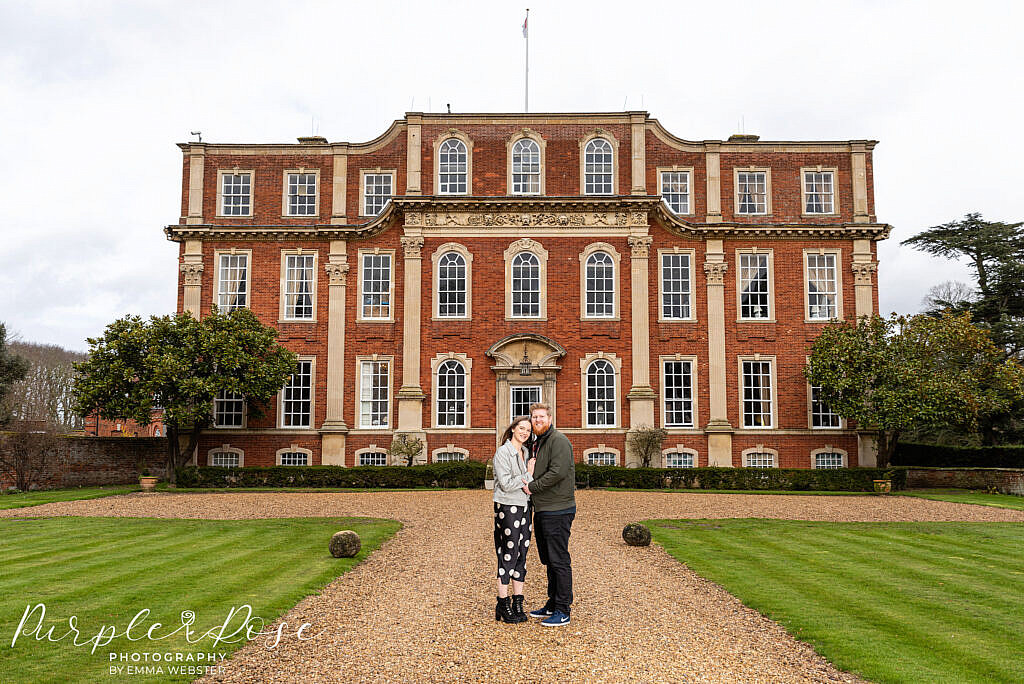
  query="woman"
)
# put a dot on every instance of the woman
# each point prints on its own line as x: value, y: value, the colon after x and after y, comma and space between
x: 512, y: 518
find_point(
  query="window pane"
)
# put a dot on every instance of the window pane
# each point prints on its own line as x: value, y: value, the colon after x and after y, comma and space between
x: 818, y: 192
x: 525, y: 168
x: 294, y: 458
x: 752, y: 192
x: 228, y: 410
x: 598, y: 168
x: 526, y: 285
x: 822, y: 286
x: 232, y: 281
x: 675, y: 286
x: 451, y: 394
x: 235, y: 194
x: 675, y: 190
x: 297, y: 397
x: 601, y: 458
x: 298, y: 302
x: 377, y: 192
x: 301, y: 194
x: 451, y: 167
x: 828, y: 461
x: 374, y: 388
x: 754, y: 294
x: 600, y: 284
x: 761, y: 460
x: 757, y: 394
x: 600, y: 394
x: 377, y: 286
x: 679, y: 459
x: 451, y: 286
x: 822, y: 415
x: 678, y: 392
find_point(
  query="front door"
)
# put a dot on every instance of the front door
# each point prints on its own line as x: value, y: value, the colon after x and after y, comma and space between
x: 522, y: 397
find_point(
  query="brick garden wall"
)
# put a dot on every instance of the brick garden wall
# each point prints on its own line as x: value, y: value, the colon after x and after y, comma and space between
x: 91, y: 461
x: 1007, y: 481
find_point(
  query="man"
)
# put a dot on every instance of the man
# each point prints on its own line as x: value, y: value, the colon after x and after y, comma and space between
x: 552, y: 493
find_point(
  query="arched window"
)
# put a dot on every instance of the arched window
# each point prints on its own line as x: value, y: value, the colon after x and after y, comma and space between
x: 452, y: 167
x: 525, y: 285
x: 526, y: 167
x: 600, y: 394
x: 598, y: 170
x: 451, y: 286
x: 600, y: 286
x: 451, y: 394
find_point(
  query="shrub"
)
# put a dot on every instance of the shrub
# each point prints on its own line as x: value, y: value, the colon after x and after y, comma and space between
x: 928, y: 455
x: 465, y: 474
x: 785, y: 479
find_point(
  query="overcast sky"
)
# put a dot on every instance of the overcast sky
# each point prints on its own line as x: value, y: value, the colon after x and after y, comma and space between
x: 94, y: 95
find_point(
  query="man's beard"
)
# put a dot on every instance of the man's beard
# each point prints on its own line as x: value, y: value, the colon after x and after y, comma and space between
x: 538, y: 431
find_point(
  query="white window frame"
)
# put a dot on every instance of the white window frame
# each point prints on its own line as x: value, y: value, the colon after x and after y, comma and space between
x: 436, y: 364
x: 468, y: 145
x: 584, y: 143
x: 691, y: 255
x: 286, y: 205
x: 360, y: 317
x: 221, y: 173
x: 686, y: 171
x: 602, y: 449
x: 372, y: 449
x: 217, y: 400
x: 293, y: 449
x: 837, y: 255
x: 585, y: 257
x: 467, y: 258
x: 516, y: 248
x: 804, y: 194
x: 770, y: 258
x: 512, y: 393
x: 663, y: 361
x: 226, y: 448
x: 810, y: 414
x: 283, y: 309
x: 363, y: 190
x: 773, y: 391
x: 218, y: 283
x: 616, y: 364
x: 449, y: 449
x: 520, y: 136
x: 311, y: 360
x: 844, y: 459
x: 390, y: 361
x: 682, y: 450
x: 767, y: 191
x: 760, y: 449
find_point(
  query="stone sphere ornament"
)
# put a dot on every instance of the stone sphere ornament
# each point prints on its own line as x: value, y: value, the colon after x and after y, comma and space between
x: 346, y: 544
x: 636, y: 534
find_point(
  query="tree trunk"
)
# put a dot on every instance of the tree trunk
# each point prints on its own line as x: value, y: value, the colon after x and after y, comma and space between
x: 172, y: 454
x: 887, y: 440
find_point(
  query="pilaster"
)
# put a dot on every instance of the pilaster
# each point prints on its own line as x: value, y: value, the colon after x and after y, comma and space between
x: 339, y: 212
x: 334, y: 429
x: 410, y: 394
x: 413, y: 155
x: 641, y: 396
x: 196, y: 171
x: 718, y: 428
x: 863, y: 267
x: 192, y: 273
x: 712, y: 160
x: 638, y: 152
x: 858, y: 162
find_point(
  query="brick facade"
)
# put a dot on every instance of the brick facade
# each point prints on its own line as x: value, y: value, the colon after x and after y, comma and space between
x: 632, y: 227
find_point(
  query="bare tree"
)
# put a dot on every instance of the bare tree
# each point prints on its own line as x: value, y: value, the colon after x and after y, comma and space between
x: 645, y: 443
x: 45, y: 392
x: 26, y: 453
x: 950, y: 294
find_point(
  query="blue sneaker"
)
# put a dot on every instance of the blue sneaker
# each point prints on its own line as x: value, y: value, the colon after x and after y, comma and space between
x: 541, y: 613
x: 557, y: 619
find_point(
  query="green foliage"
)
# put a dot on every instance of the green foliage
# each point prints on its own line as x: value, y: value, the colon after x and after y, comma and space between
x: 460, y: 474
x: 180, y: 364
x: 782, y: 479
x: 932, y: 456
x: 892, y: 374
x: 12, y: 369
x: 644, y: 442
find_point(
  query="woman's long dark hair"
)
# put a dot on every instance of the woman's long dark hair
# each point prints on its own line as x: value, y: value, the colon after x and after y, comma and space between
x: 507, y: 434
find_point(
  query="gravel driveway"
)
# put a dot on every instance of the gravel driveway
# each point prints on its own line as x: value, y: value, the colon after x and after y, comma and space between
x: 421, y: 608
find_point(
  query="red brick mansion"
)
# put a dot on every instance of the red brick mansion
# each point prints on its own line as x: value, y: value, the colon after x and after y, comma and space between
x: 439, y: 279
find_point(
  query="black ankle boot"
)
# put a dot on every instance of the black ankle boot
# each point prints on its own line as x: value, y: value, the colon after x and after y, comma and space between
x: 503, y: 611
x: 517, y: 607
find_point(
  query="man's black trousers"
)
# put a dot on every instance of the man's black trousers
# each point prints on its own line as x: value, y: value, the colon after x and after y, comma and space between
x: 551, y: 533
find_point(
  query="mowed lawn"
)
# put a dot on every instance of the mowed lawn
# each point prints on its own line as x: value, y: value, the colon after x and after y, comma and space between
x: 104, y: 571
x: 23, y: 499
x: 979, y: 498
x: 892, y: 602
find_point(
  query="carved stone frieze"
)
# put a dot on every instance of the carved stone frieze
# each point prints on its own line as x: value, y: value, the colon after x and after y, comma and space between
x: 715, y: 272
x: 527, y: 219
x: 412, y: 245
x: 640, y: 246
x: 192, y: 272
x: 862, y: 271
x: 336, y: 272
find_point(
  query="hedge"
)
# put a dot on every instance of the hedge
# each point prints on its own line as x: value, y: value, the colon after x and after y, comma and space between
x: 448, y: 475
x: 784, y: 479
x: 932, y: 456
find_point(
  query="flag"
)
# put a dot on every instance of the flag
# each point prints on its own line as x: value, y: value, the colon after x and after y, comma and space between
x: 524, y: 25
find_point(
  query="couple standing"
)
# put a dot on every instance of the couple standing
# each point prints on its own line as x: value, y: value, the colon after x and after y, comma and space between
x: 534, y: 484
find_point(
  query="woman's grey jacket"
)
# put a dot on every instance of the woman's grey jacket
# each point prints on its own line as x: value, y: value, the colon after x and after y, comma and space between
x: 509, y: 473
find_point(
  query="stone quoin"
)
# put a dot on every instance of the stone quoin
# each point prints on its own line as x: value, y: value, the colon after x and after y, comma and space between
x: 437, y: 280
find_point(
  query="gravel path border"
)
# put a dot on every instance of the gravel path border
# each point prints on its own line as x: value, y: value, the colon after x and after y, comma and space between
x: 421, y: 607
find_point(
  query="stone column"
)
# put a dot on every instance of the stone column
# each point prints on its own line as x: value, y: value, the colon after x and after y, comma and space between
x: 334, y: 429
x: 192, y: 273
x: 413, y: 156
x: 503, y: 388
x: 339, y: 193
x: 641, y: 396
x: 410, y: 395
x: 718, y: 428
x: 714, y: 184
x: 196, y: 172
x: 863, y: 267
x: 858, y: 160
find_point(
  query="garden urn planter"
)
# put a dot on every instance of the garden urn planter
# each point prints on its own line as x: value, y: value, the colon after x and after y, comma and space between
x: 883, y: 486
x: 148, y: 483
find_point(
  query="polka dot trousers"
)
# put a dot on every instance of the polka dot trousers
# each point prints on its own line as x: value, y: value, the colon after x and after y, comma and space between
x: 512, y: 525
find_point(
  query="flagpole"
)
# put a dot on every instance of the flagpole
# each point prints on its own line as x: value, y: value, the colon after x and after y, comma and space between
x: 526, y: 88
